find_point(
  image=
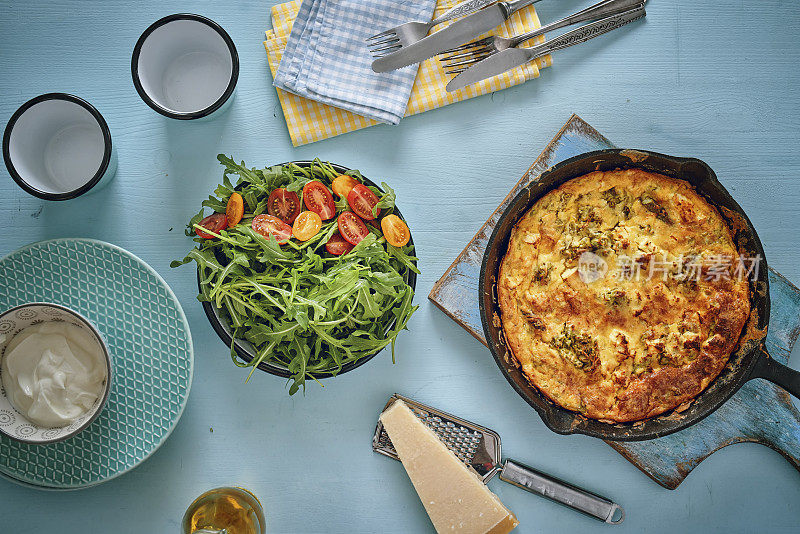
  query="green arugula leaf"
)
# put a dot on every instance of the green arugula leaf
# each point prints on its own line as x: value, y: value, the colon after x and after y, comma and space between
x: 387, y: 200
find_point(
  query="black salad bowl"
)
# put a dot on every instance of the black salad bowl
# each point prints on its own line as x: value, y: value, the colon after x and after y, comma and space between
x: 246, y: 352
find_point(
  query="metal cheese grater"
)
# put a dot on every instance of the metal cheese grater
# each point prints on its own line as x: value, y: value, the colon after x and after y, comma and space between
x: 479, y: 448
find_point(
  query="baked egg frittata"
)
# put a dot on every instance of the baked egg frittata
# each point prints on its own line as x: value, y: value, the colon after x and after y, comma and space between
x: 622, y: 294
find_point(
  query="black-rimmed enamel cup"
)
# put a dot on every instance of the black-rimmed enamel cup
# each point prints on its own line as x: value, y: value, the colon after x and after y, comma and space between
x: 185, y: 67
x: 57, y: 146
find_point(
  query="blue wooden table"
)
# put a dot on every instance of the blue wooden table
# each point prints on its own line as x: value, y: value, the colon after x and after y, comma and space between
x: 713, y: 79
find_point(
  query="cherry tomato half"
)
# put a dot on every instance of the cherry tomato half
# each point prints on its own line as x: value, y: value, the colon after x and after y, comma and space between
x: 267, y: 225
x: 395, y: 230
x: 362, y: 200
x: 306, y: 225
x: 235, y: 209
x: 319, y: 199
x: 352, y: 228
x: 284, y: 204
x: 215, y: 223
x: 343, y: 184
x: 337, y: 246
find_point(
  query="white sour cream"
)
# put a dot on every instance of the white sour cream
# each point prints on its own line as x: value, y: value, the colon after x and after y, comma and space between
x: 53, y: 373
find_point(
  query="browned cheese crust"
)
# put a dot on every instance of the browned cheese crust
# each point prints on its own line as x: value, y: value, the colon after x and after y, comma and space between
x: 656, y: 329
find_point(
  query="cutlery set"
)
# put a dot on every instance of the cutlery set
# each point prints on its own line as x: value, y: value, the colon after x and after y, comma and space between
x: 478, y: 60
x: 395, y: 38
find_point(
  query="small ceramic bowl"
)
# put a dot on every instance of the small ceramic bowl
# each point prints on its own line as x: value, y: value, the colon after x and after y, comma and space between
x: 185, y: 67
x: 14, y: 424
x: 57, y: 147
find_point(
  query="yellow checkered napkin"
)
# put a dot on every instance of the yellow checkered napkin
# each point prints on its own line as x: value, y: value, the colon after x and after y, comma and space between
x: 309, y: 121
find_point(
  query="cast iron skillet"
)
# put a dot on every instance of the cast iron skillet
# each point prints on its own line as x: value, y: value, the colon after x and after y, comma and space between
x: 245, y: 350
x: 750, y: 359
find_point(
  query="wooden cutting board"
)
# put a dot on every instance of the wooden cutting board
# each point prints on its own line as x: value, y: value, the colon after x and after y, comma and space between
x: 759, y: 412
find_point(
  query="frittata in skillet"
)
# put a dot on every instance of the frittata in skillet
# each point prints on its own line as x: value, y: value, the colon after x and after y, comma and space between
x: 622, y: 294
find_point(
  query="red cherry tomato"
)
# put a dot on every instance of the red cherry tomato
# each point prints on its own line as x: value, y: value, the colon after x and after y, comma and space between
x: 267, y: 225
x: 214, y: 223
x: 362, y: 200
x: 284, y: 204
x: 352, y: 228
x: 337, y: 246
x: 319, y: 199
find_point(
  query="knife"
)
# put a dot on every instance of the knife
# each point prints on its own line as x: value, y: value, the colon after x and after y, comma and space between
x: 454, y: 35
x: 514, y: 57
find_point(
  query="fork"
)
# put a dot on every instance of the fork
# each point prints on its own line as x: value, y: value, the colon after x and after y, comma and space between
x: 395, y: 38
x: 467, y: 55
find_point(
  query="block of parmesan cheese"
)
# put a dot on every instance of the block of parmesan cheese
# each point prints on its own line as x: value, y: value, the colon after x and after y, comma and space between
x: 454, y: 496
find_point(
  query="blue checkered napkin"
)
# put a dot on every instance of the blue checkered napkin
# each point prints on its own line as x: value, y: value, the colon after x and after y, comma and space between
x: 327, y: 59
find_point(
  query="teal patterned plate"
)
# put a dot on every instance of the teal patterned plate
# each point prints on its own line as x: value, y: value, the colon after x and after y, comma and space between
x: 151, y: 352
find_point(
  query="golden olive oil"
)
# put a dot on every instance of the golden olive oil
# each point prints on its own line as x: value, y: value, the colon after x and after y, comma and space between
x: 234, y: 509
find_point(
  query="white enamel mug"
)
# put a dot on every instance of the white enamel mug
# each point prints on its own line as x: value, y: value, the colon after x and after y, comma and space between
x: 57, y: 147
x: 185, y: 66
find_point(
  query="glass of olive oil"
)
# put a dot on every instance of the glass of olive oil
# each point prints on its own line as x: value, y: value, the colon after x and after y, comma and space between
x: 236, y: 510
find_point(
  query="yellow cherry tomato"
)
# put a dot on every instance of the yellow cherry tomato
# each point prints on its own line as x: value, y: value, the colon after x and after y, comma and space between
x: 235, y: 209
x: 306, y: 225
x: 342, y: 185
x: 395, y: 230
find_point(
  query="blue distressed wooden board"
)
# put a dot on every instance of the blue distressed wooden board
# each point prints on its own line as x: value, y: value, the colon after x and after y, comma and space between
x: 759, y: 412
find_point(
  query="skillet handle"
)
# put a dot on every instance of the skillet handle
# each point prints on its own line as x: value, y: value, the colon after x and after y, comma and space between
x: 562, y: 492
x: 777, y: 373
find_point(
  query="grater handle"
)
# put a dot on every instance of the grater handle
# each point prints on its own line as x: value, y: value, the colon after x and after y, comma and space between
x: 562, y: 492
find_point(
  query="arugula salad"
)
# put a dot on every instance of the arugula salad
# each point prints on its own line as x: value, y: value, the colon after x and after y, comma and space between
x: 313, y: 282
